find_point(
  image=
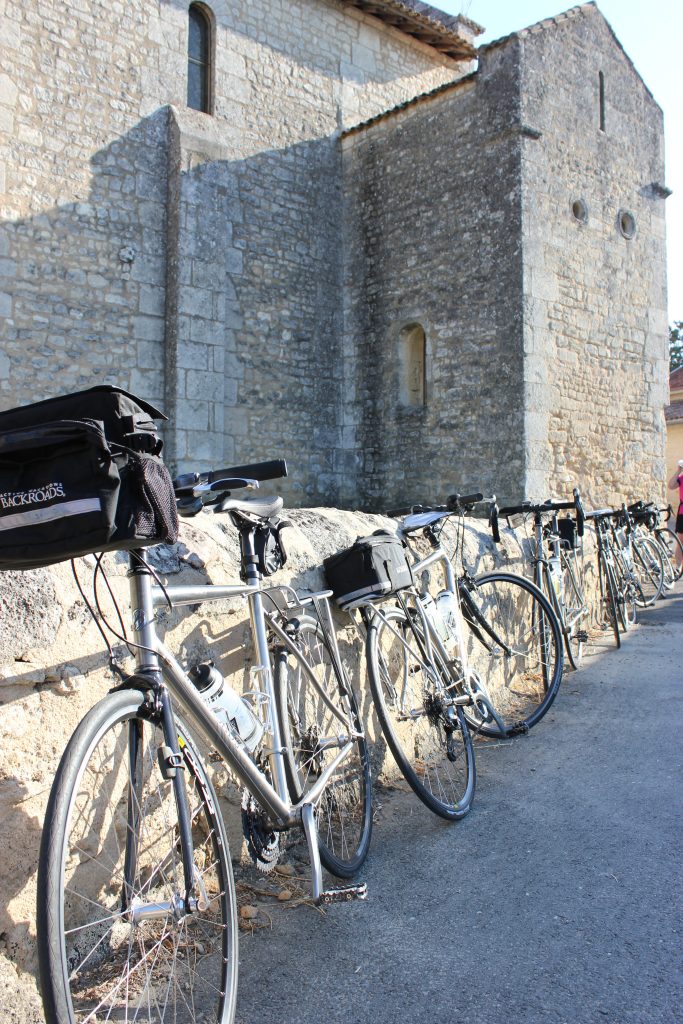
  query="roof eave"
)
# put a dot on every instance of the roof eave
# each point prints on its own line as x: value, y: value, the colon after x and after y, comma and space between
x: 422, y: 22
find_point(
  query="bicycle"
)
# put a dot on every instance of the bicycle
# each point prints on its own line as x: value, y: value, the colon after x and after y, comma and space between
x: 484, y: 656
x: 136, y: 901
x: 557, y: 570
x: 620, y: 591
x: 670, y: 542
x: 647, y: 518
x: 642, y: 556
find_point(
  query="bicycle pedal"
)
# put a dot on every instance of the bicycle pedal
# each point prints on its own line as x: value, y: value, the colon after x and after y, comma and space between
x: 344, y: 894
x: 581, y: 635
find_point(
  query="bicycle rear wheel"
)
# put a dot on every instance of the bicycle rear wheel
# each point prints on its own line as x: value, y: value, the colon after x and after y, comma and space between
x: 114, y: 939
x: 414, y: 699
x: 648, y: 567
x: 319, y: 714
x: 514, y: 644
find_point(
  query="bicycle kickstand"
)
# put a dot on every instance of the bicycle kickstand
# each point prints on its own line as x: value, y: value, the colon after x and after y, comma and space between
x: 341, y: 894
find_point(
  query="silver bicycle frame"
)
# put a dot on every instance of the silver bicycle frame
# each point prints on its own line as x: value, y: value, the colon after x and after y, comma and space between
x: 154, y: 656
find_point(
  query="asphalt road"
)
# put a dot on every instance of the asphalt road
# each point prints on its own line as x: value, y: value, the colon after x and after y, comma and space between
x: 556, y: 901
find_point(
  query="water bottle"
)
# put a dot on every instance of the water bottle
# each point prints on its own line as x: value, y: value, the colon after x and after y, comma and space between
x: 231, y: 710
x: 447, y: 607
x: 555, y: 566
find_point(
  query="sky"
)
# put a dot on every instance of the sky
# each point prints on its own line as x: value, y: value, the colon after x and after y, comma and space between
x: 650, y: 33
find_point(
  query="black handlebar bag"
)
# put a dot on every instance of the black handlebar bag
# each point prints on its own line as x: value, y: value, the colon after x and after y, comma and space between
x: 82, y: 473
x: 373, y: 567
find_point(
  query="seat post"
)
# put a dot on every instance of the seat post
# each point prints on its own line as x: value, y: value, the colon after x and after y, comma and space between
x: 249, y: 569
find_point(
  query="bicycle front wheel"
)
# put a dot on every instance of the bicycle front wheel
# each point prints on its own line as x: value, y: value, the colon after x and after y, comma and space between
x: 575, y: 608
x: 669, y: 542
x: 609, y: 598
x: 117, y: 939
x: 514, y: 645
x: 319, y: 716
x: 415, y: 703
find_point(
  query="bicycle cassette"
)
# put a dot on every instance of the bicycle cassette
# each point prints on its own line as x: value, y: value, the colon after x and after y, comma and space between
x: 263, y: 842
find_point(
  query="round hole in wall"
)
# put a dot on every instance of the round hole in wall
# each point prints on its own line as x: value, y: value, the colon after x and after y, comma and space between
x: 580, y: 211
x: 627, y: 223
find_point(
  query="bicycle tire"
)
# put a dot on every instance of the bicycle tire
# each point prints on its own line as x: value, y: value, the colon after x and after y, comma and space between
x: 608, y: 595
x: 574, y: 602
x: 111, y: 813
x: 667, y: 562
x: 521, y: 664
x: 313, y: 711
x: 670, y: 540
x: 648, y: 566
x: 426, y: 733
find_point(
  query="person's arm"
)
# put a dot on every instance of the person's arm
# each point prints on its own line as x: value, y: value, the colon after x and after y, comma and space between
x: 673, y: 482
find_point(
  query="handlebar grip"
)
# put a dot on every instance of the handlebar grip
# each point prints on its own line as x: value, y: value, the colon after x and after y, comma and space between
x: 513, y: 510
x: 273, y: 470
x: 405, y: 510
x: 456, y: 500
x: 580, y: 513
x: 493, y: 522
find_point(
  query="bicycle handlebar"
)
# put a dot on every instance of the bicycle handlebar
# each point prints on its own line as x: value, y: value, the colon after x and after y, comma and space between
x: 229, y: 479
x: 599, y: 513
x: 538, y: 508
x: 458, y: 504
x: 275, y: 469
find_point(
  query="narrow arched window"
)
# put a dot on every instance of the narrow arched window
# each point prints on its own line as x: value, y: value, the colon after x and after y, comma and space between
x: 412, y: 364
x: 199, y: 59
x: 601, y: 99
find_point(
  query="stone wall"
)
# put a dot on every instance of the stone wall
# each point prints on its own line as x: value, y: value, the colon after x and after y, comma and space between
x: 194, y: 259
x: 545, y: 359
x: 433, y: 222
x: 595, y: 326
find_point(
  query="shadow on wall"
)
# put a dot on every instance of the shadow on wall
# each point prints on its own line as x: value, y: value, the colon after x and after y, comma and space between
x: 207, y: 285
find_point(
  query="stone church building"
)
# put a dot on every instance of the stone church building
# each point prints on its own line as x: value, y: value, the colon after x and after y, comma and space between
x: 337, y: 231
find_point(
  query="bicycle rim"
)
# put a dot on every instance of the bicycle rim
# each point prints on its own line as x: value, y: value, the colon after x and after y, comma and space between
x: 669, y: 540
x: 426, y: 732
x: 576, y: 609
x: 514, y: 645
x: 111, y: 848
x: 609, y: 600
x: 315, y: 712
x: 649, y: 569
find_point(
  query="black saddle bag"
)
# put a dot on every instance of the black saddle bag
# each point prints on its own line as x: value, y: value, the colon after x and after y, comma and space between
x: 373, y: 567
x: 567, y: 531
x: 82, y: 473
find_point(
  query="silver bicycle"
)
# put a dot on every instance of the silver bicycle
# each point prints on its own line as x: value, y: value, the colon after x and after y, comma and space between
x: 136, y: 900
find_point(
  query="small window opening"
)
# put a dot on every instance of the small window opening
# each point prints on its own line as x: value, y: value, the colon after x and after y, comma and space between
x: 627, y: 223
x: 199, y: 59
x: 580, y: 211
x: 412, y: 360
x: 601, y: 87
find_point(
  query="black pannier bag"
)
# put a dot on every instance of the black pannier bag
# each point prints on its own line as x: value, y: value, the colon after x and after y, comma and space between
x: 374, y: 566
x: 82, y: 473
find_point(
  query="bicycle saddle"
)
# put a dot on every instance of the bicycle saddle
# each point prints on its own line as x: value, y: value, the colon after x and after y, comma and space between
x: 258, y: 508
x: 419, y: 520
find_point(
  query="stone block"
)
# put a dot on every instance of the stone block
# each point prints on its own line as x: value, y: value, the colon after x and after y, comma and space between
x: 192, y: 414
